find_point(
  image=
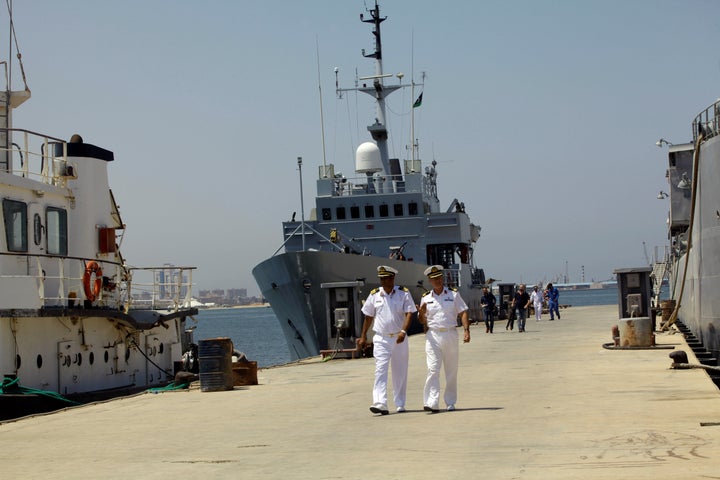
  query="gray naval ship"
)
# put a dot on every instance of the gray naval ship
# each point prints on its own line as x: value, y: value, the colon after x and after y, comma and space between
x: 694, y: 229
x: 388, y: 214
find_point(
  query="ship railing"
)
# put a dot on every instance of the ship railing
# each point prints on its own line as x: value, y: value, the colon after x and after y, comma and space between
x: 33, y: 157
x: 46, y: 281
x: 168, y: 287
x: 452, y: 276
x: 707, y: 121
x: 31, y: 281
x: 361, y: 185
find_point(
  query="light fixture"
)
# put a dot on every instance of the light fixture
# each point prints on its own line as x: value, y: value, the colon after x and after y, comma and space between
x: 660, y: 142
x: 662, y: 195
x: 684, y: 183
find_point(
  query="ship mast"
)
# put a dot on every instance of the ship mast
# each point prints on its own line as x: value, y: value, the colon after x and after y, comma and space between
x: 378, y: 130
x: 10, y: 99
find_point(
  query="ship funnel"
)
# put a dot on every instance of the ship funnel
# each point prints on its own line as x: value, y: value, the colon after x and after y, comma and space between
x: 367, y: 158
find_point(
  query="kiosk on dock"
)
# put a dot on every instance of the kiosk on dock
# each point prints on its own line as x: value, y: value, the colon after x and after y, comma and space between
x: 636, y: 323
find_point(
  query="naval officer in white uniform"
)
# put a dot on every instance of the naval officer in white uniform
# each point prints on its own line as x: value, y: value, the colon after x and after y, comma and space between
x: 390, y: 308
x: 438, y: 312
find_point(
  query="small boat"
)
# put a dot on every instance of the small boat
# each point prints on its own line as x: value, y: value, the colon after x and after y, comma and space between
x: 388, y: 214
x: 77, y: 323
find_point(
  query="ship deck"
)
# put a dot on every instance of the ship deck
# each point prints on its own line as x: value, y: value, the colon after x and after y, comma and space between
x: 549, y: 403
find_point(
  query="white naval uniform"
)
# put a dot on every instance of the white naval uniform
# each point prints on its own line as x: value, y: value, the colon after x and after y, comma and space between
x: 537, y: 299
x: 388, y: 311
x: 442, y: 345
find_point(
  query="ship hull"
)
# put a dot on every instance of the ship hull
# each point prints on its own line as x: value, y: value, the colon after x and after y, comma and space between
x: 699, y: 307
x: 80, y: 355
x: 309, y: 290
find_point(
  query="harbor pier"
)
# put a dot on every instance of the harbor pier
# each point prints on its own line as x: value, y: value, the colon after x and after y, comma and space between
x: 551, y: 403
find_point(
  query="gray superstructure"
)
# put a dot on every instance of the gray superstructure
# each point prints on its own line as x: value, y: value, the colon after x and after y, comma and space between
x: 388, y: 214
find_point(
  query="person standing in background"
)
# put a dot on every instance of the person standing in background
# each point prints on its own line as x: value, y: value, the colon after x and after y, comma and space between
x: 520, y: 303
x: 552, y: 295
x: 487, y: 302
x: 537, y: 297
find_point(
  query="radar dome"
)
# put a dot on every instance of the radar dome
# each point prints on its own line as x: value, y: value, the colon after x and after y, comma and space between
x: 367, y: 158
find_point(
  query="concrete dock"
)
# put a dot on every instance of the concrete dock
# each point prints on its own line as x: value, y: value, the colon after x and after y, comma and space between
x: 550, y: 403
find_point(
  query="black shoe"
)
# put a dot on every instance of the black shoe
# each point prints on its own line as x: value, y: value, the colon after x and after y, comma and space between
x: 431, y: 410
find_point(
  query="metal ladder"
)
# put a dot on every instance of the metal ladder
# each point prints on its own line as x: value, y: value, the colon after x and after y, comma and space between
x: 5, y: 134
x: 659, y: 273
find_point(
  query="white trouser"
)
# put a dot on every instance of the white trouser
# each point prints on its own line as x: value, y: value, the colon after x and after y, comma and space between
x: 538, y: 310
x: 389, y: 353
x: 441, y: 347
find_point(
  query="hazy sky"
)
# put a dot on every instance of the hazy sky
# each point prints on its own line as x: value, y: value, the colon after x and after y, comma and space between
x: 542, y: 115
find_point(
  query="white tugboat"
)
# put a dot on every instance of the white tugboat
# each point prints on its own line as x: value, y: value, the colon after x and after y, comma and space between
x: 76, y: 322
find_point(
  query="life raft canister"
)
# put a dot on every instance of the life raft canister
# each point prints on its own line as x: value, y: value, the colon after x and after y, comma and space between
x: 92, y: 289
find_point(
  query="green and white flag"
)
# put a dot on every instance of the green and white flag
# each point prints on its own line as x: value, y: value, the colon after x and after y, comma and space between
x: 418, y: 102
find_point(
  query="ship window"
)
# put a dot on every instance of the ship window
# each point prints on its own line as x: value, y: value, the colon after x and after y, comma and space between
x: 398, y: 207
x: 354, y: 212
x: 326, y: 214
x: 412, y: 209
x: 15, y: 217
x: 369, y: 211
x: 56, y: 220
x: 384, y: 210
x: 340, y: 213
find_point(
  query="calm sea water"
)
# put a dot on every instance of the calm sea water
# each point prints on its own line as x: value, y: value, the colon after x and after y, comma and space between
x: 255, y: 331
x: 584, y: 298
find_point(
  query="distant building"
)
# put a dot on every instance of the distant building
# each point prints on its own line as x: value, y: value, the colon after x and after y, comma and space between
x: 227, y: 297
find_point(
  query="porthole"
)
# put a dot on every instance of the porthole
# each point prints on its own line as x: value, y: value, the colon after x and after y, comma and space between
x: 39, y: 361
x: 107, y: 356
x: 79, y: 358
x: 161, y: 348
x: 92, y: 358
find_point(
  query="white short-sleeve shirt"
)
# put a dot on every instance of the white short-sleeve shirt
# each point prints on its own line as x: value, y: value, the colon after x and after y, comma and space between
x: 444, y: 308
x: 389, y: 309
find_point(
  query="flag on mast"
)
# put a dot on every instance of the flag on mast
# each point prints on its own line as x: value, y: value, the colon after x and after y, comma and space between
x: 418, y: 102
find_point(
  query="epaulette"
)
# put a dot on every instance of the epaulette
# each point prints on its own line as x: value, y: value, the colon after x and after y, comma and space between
x: 427, y: 293
x: 374, y: 291
x: 404, y: 289
x: 454, y: 289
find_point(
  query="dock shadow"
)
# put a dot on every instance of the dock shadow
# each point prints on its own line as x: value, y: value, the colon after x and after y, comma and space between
x: 442, y: 410
x: 469, y: 409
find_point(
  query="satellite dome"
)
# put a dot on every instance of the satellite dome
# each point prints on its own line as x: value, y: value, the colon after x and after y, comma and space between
x: 367, y: 158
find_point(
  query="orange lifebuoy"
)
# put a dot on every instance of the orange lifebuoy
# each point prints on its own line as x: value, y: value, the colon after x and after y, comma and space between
x: 91, y: 293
